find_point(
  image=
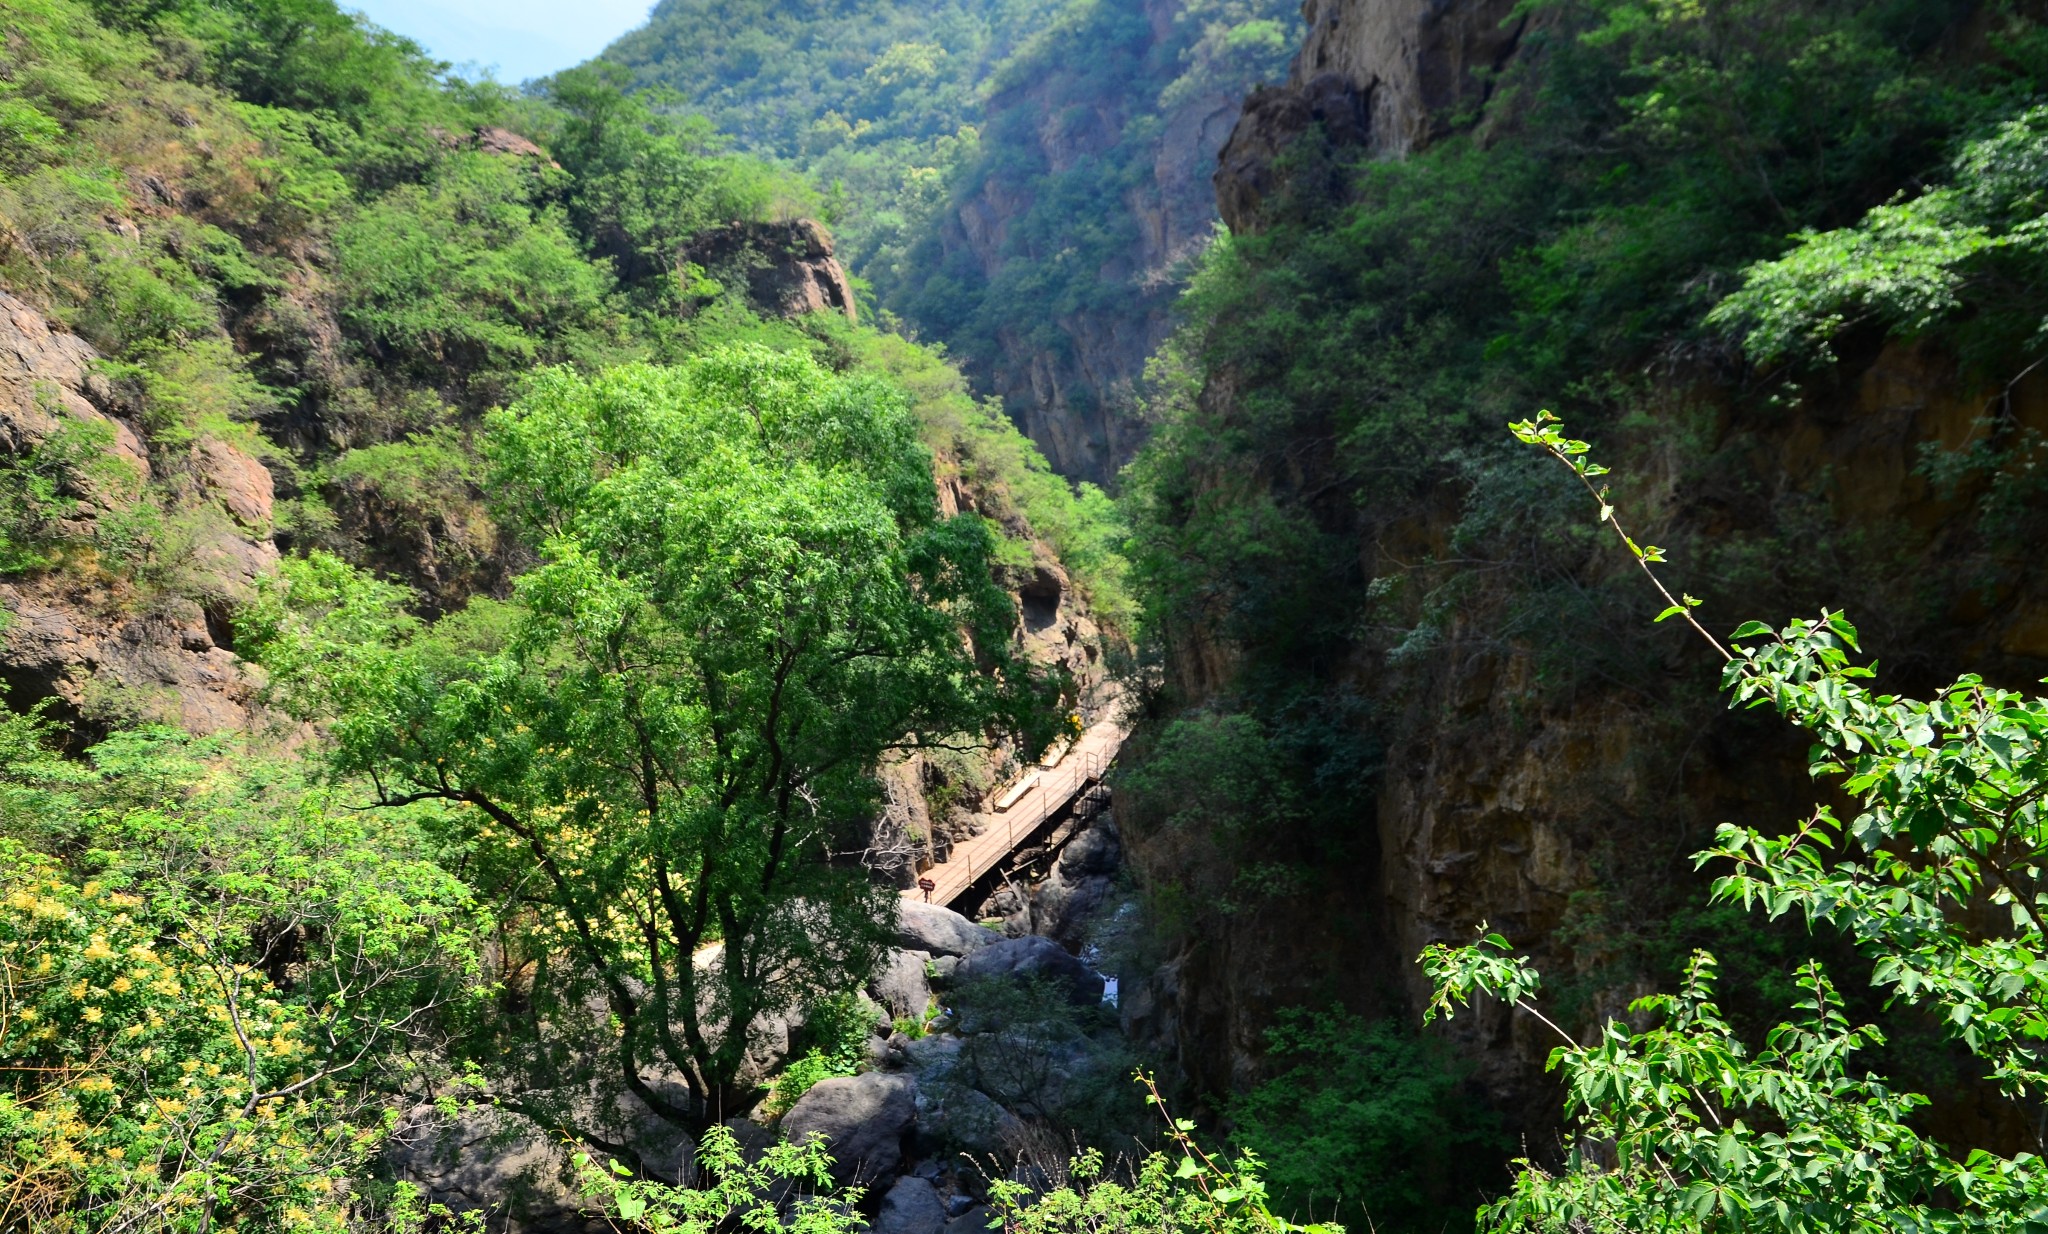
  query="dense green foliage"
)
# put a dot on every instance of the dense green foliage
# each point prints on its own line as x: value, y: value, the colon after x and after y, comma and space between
x: 837, y: 1029
x: 876, y: 101
x: 214, y: 970
x: 230, y: 965
x: 1073, y: 133
x: 902, y: 114
x: 1022, y: 492
x: 359, y: 258
x: 1366, y: 1124
x: 1661, y: 152
x: 1912, y: 265
x: 605, y: 594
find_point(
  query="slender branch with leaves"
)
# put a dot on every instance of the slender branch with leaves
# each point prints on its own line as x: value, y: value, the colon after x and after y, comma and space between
x: 1683, y: 1125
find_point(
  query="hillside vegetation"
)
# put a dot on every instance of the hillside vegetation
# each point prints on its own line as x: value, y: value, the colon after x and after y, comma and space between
x: 268, y: 272
x: 461, y: 652
x: 1012, y: 178
x: 1778, y: 262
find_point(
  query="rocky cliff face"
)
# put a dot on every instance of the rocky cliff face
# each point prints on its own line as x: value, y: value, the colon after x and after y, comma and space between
x: 1385, y: 78
x: 1565, y: 817
x: 785, y: 269
x: 1100, y: 185
x: 104, y: 653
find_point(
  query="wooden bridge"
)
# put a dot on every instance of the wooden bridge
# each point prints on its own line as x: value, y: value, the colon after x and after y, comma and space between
x: 1025, y: 806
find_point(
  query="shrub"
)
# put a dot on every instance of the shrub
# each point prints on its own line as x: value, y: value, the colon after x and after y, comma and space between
x: 835, y: 1036
x: 1368, y: 1124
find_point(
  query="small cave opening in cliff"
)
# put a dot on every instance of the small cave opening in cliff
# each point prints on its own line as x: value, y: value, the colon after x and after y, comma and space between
x: 1039, y: 599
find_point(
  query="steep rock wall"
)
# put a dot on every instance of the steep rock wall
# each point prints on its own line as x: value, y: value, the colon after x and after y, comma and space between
x: 1567, y: 820
x: 1565, y: 816
x: 1071, y: 236
x: 104, y: 653
x: 1385, y: 77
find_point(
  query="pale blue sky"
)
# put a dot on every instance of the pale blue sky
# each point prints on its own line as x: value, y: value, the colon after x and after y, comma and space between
x: 517, y: 38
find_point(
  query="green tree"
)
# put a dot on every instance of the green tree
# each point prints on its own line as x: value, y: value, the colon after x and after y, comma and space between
x: 746, y: 596
x: 1367, y: 1123
x: 644, y: 180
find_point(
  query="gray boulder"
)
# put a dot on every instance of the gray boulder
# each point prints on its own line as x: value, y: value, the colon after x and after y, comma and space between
x: 490, y: 1161
x: 1065, y: 905
x: 1032, y: 956
x: 979, y: 1219
x: 955, y: 1116
x: 911, y: 1207
x: 1011, y: 904
x: 931, y: 1058
x: 1095, y: 851
x: 900, y: 985
x: 862, y: 1118
x: 939, y: 930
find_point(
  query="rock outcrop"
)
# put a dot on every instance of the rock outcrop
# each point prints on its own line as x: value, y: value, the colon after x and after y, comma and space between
x: 1378, y: 78
x: 1562, y: 818
x: 491, y: 1162
x: 912, y: 1206
x: 106, y: 653
x: 862, y: 1118
x: 900, y: 985
x: 787, y: 269
x: 1033, y: 957
x: 938, y: 930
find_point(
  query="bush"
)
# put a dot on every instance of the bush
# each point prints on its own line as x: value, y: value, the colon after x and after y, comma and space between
x: 1369, y: 1125
x: 835, y: 1038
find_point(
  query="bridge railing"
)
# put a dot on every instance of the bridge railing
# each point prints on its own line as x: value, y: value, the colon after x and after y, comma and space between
x: 1056, y: 787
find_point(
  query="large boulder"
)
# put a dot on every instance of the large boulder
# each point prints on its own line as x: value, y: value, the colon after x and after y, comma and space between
x: 862, y: 1119
x: 901, y: 986
x: 930, y: 1058
x: 956, y: 1116
x: 1033, y: 957
x: 1064, y: 906
x: 1097, y: 850
x: 911, y: 1207
x: 939, y: 930
x: 494, y: 1163
x: 978, y: 1219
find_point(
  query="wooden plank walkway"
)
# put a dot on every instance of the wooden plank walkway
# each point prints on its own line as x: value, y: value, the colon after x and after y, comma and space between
x: 1000, y: 834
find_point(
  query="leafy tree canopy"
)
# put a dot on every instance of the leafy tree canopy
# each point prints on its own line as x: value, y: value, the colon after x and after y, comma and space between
x: 745, y: 598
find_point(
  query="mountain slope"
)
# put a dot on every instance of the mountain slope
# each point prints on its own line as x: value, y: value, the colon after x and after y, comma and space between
x: 1023, y: 182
